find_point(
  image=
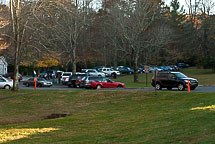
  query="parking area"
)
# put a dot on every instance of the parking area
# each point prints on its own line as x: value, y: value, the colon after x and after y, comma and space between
x: 209, y: 89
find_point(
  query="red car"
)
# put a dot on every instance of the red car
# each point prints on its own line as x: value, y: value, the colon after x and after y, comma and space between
x: 10, y: 76
x: 107, y: 83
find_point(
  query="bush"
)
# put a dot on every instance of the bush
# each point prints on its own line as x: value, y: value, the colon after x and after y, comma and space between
x: 208, y: 62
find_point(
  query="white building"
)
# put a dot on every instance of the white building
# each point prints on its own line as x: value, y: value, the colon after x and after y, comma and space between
x: 3, y: 65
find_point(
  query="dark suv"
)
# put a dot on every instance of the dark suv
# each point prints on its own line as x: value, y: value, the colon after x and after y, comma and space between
x: 75, y: 80
x: 171, y: 80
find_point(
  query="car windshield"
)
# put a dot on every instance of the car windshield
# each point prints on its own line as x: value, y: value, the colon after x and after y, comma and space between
x: 41, y: 79
x: 66, y: 74
x: 180, y: 75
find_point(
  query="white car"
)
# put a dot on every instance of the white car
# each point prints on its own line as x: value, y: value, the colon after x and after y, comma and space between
x: 109, y: 71
x: 65, y: 77
x: 5, y: 83
x: 93, y: 72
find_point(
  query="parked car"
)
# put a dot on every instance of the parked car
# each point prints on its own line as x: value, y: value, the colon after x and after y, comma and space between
x: 99, y: 67
x: 93, y: 72
x: 182, y: 65
x: 65, y: 77
x: 75, y: 80
x: 84, y: 82
x: 174, y: 67
x: 43, y: 75
x: 169, y: 68
x: 10, y: 76
x: 99, y: 82
x: 125, y: 70
x: 156, y: 68
x: 41, y: 82
x: 171, y: 80
x: 163, y: 68
x: 106, y: 75
x: 106, y: 83
x: 110, y: 71
x: 5, y: 83
x: 51, y: 73
x: 141, y: 70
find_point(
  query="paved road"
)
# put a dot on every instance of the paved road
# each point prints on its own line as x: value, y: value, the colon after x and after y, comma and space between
x: 210, y: 89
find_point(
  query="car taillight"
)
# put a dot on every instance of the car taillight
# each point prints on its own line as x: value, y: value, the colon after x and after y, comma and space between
x: 85, y: 82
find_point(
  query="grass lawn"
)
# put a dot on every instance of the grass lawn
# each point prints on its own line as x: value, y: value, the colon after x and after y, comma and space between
x: 128, y: 80
x: 107, y: 117
x: 204, y: 76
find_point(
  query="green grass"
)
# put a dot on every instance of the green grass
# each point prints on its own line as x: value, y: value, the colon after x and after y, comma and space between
x: 128, y: 80
x: 110, y: 116
x: 204, y: 76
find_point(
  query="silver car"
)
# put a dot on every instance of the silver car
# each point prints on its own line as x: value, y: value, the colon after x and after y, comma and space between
x: 93, y: 72
x: 5, y: 83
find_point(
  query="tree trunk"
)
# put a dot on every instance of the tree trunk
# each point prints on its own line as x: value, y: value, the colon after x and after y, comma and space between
x: 16, y: 74
x: 15, y: 15
x: 74, y: 59
x: 136, y: 57
x: 115, y: 62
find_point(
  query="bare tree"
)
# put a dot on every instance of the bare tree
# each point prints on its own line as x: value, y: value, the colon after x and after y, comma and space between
x: 62, y: 30
x: 18, y: 23
x: 134, y: 21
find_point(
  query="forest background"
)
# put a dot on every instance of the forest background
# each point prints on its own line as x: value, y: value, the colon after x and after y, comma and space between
x: 74, y: 34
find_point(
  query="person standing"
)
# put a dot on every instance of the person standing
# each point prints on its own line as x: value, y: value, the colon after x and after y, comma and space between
x: 34, y: 74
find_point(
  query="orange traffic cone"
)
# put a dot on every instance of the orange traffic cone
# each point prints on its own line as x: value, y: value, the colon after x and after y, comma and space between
x: 188, y: 86
x: 35, y: 83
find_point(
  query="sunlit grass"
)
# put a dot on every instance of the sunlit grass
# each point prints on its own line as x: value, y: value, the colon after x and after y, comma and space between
x: 210, y: 108
x: 15, y: 134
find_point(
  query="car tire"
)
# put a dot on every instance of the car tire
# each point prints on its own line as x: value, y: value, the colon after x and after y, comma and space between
x: 98, y: 87
x: 158, y: 86
x: 169, y: 88
x: 6, y: 87
x: 181, y: 87
x: 27, y: 85
x: 120, y: 86
x: 77, y: 86
x: 192, y: 88
x: 69, y: 86
x: 39, y: 85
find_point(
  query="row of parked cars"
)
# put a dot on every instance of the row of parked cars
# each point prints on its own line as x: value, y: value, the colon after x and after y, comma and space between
x: 83, y: 80
x: 97, y: 74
